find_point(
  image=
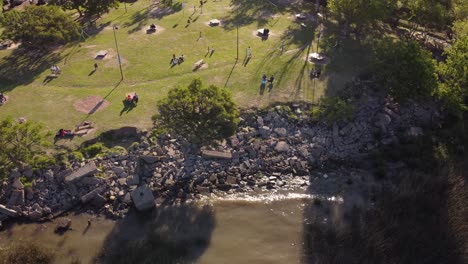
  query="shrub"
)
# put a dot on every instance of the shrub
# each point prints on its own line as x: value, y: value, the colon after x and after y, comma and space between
x: 27, y: 183
x: 332, y: 109
x: 76, y: 155
x: 94, y: 149
x: 117, y: 150
x: 43, y: 162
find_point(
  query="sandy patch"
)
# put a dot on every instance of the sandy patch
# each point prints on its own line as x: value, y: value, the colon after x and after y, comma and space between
x: 110, y: 60
x: 91, y: 104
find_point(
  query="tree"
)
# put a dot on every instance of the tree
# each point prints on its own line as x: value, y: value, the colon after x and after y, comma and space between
x: 199, y: 114
x: 38, y: 26
x: 453, y: 73
x: 404, y: 69
x: 20, y: 142
x: 87, y: 7
x: 359, y: 13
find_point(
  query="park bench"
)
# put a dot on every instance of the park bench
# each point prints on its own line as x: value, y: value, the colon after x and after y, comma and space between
x: 101, y: 54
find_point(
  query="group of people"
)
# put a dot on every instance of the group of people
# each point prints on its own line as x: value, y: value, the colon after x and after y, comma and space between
x: 175, y: 60
x: 264, y: 79
x: 132, y: 98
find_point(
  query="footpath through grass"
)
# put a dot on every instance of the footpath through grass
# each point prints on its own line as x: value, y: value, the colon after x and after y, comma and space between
x: 145, y: 62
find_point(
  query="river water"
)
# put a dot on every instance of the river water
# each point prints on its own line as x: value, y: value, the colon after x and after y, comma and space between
x: 259, y: 229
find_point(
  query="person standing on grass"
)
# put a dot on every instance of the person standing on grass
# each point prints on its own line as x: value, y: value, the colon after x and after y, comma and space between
x: 249, y: 52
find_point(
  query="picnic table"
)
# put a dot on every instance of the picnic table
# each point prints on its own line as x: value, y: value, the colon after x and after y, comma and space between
x: 316, y: 56
x: 101, y: 54
x: 214, y: 22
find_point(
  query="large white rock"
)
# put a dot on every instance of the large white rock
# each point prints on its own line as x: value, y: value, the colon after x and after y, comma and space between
x: 143, y: 198
x: 282, y: 146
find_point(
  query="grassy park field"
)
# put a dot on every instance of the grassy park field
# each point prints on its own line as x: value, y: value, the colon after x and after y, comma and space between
x: 146, y: 69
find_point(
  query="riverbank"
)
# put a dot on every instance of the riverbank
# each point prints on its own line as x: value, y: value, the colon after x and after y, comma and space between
x: 282, y: 147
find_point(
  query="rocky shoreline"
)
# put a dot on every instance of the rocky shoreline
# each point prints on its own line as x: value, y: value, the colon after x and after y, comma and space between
x: 277, y: 148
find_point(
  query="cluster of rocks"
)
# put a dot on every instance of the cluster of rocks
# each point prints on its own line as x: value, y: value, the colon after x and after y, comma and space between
x: 276, y: 148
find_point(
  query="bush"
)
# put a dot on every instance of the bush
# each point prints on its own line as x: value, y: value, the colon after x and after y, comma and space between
x: 27, y: 183
x: 332, y: 109
x: 43, y: 162
x: 404, y: 69
x: 94, y: 149
x: 76, y: 155
x: 26, y: 253
x: 117, y: 150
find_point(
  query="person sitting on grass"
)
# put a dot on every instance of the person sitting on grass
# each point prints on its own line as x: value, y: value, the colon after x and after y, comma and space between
x: 64, y: 133
x: 135, y: 98
x: 2, y: 98
x: 129, y: 98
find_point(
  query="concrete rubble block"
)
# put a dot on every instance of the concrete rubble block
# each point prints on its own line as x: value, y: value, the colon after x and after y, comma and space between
x: 7, y: 211
x: 133, y: 180
x: 86, y: 170
x: 231, y: 180
x: 203, y: 190
x: 16, y: 198
x: 217, y: 154
x: 264, y: 131
x: 282, y: 146
x: 90, y: 181
x: 149, y: 159
x: 98, y: 201
x: 143, y: 198
x: 17, y: 184
x: 90, y: 195
x: 281, y: 131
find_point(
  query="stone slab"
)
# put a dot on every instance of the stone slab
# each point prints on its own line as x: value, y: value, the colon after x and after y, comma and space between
x: 216, y: 154
x: 143, y: 198
x: 87, y: 170
x: 8, y: 211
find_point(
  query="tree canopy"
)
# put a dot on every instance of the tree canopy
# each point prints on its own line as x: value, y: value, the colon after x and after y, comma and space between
x: 19, y: 143
x: 38, y: 26
x: 404, y: 69
x: 199, y: 114
x: 87, y: 7
x: 360, y: 13
x: 454, y: 75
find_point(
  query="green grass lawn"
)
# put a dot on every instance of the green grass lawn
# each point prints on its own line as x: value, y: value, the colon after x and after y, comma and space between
x: 145, y: 62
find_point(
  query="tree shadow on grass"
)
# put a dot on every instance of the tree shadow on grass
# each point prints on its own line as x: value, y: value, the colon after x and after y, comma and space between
x: 123, y: 136
x: 246, y: 12
x: 168, y: 234
x: 139, y: 19
x: 22, y: 67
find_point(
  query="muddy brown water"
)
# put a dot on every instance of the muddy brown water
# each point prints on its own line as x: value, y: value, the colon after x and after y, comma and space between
x: 264, y: 228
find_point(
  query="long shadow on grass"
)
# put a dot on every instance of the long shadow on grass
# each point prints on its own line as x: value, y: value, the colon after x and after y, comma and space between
x: 168, y: 234
x: 417, y: 216
x: 246, y: 12
x: 138, y: 19
x: 22, y: 66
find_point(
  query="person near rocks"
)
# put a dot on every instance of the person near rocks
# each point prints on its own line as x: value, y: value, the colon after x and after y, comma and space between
x: 89, y: 222
x: 95, y: 66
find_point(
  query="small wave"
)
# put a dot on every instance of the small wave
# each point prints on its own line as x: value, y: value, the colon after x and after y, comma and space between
x: 268, y: 197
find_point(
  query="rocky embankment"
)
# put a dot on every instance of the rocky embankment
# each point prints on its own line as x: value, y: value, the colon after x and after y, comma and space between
x: 280, y: 147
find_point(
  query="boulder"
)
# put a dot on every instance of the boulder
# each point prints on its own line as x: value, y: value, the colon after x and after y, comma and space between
x: 143, y: 198
x: 16, y: 198
x: 17, y: 184
x: 264, y: 131
x: 35, y: 215
x: 203, y: 190
x: 90, y: 181
x: 98, y: 201
x: 86, y: 170
x: 217, y: 154
x: 8, y: 211
x: 281, y: 131
x: 414, y: 132
x: 90, y: 195
x: 133, y: 180
x: 231, y: 180
x: 282, y: 146
x: 63, y: 225
x: 149, y: 159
